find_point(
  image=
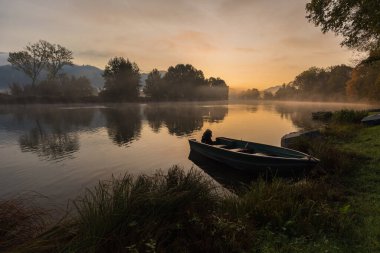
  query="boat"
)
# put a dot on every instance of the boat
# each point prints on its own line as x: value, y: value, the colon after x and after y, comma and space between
x: 372, y: 120
x: 253, y: 157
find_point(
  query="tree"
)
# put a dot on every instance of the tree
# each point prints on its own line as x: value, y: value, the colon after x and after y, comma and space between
x: 58, y: 56
x: 365, y: 82
x: 154, y: 85
x: 268, y: 95
x: 38, y: 56
x: 182, y: 81
x: 250, y: 94
x: 121, y: 80
x: 356, y: 20
x: 32, y: 60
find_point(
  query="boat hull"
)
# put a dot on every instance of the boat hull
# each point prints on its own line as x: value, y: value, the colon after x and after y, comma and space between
x: 251, y: 162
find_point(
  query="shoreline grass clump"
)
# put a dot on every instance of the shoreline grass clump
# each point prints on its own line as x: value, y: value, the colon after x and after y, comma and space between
x: 183, y: 211
x: 20, y: 222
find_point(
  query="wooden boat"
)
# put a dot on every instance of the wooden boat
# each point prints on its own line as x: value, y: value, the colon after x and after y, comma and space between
x: 253, y: 157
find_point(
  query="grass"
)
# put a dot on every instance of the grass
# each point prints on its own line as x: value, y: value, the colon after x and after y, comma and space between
x: 20, y: 222
x: 336, y: 208
x: 184, y: 212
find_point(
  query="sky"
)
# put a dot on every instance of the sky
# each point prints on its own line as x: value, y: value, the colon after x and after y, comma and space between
x: 248, y: 43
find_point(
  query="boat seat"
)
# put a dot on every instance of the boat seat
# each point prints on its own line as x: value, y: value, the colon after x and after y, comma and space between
x: 219, y: 146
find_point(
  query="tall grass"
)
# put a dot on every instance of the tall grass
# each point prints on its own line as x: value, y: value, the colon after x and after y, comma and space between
x: 20, y: 222
x: 184, y: 212
x: 348, y: 116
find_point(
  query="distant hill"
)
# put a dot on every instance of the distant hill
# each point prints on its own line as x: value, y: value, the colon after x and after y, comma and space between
x: 273, y: 89
x: 8, y: 75
x: 3, y: 58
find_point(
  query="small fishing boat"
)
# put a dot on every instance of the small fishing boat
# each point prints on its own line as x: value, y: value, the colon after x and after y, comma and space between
x: 253, y: 157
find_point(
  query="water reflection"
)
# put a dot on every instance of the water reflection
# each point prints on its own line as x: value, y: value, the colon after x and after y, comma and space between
x: 224, y: 175
x: 183, y: 120
x: 123, y: 124
x: 50, y: 133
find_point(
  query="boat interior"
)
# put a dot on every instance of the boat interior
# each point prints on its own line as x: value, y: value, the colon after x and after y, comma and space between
x: 254, y: 148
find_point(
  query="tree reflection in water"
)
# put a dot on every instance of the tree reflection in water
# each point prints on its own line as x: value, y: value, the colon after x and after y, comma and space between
x: 51, y: 133
x: 182, y: 120
x: 123, y: 124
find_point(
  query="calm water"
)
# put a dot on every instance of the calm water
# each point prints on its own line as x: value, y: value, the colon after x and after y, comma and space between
x: 58, y: 151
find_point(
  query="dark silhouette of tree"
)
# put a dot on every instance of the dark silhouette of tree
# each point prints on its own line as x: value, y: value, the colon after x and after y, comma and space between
x: 317, y: 84
x: 154, y: 85
x: 32, y: 60
x: 182, y: 81
x: 250, y: 94
x: 122, y: 80
x: 268, y: 95
x: 216, y: 89
x: 364, y: 83
x: 356, y: 20
x: 38, y: 56
x: 58, y: 56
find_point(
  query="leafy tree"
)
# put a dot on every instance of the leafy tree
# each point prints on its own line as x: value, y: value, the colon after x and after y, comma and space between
x: 287, y: 92
x: 365, y: 82
x: 76, y: 87
x: 32, y: 60
x: 122, y: 80
x: 216, y: 89
x: 182, y: 81
x: 250, y: 94
x: 154, y: 87
x: 356, y: 20
x: 268, y: 95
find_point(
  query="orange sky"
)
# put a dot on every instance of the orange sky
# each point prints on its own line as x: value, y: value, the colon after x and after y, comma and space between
x: 248, y: 43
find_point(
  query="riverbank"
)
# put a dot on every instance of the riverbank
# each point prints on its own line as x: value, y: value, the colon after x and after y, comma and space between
x: 334, y: 209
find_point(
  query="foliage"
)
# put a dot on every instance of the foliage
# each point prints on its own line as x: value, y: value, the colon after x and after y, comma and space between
x: 349, y: 116
x: 268, y: 95
x: 356, y: 21
x: 250, y: 94
x: 365, y: 82
x: 122, y: 80
x: 184, y: 82
x: 64, y: 87
x: 154, y: 85
x: 317, y: 84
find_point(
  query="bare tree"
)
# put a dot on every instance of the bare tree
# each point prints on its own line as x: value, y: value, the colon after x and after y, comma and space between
x: 58, y: 57
x: 32, y: 60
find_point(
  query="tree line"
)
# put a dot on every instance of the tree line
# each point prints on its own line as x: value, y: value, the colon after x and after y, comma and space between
x: 335, y: 83
x: 122, y: 79
x: 180, y: 82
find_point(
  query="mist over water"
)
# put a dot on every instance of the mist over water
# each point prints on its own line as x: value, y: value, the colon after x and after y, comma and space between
x: 58, y: 151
